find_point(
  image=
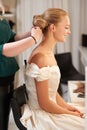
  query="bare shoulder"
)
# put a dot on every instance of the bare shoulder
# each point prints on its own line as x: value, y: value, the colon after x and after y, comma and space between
x: 40, y: 59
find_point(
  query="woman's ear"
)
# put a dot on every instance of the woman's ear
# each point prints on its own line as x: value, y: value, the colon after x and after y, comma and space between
x: 52, y: 27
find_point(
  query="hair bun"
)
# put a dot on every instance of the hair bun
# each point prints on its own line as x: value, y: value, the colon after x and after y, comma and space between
x: 39, y: 21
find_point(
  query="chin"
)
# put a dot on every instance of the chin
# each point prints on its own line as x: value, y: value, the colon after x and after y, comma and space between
x: 62, y: 41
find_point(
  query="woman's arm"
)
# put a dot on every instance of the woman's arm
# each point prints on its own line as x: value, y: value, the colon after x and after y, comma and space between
x: 49, y: 105
x: 62, y: 103
x: 22, y: 36
x: 15, y: 48
x: 44, y: 101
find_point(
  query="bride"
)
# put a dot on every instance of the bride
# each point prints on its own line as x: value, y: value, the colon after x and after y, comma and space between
x: 46, y: 109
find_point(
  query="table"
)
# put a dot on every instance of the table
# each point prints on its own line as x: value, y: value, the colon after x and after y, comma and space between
x: 79, y: 102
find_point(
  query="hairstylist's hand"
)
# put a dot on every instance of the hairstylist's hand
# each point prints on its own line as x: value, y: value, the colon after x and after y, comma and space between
x: 36, y: 32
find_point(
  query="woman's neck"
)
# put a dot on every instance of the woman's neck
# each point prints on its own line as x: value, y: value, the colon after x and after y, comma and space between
x: 48, y: 44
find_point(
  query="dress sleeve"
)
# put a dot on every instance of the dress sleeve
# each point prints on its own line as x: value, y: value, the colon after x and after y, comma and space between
x: 40, y: 74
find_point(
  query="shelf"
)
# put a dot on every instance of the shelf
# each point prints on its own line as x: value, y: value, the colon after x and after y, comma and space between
x: 8, y: 15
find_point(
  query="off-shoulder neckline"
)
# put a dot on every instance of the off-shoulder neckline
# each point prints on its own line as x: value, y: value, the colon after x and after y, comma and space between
x: 28, y: 65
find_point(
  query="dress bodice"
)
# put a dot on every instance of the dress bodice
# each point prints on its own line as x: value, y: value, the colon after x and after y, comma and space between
x: 52, y: 74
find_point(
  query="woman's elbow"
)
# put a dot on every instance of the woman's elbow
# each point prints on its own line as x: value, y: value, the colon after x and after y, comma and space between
x: 44, y: 105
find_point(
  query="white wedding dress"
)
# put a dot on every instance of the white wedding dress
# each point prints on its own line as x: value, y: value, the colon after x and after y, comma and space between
x: 34, y: 118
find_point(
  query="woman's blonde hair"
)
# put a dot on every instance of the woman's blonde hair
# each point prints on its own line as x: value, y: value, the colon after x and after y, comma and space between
x: 50, y: 16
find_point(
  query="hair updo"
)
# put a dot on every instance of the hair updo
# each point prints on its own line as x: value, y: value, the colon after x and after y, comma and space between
x: 50, y: 16
x: 39, y: 21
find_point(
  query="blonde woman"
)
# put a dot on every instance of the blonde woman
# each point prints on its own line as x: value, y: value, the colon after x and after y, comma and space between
x: 46, y: 110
